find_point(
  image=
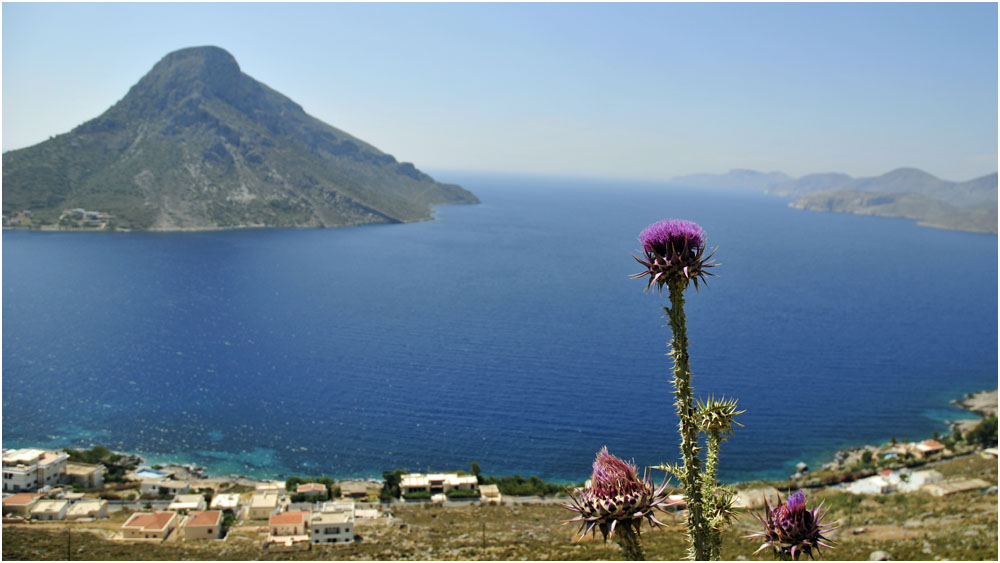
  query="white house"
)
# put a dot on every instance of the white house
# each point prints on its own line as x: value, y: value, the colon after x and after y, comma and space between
x: 331, y: 527
x: 30, y: 468
x: 149, y: 526
x: 262, y: 505
x: 490, y: 494
x: 87, y: 475
x: 187, y: 502
x: 167, y: 486
x: 87, y: 509
x: 435, y: 483
x: 50, y: 510
x: 226, y: 501
x: 874, y: 485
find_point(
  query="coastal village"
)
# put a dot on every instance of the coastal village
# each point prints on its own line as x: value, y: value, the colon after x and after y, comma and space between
x: 127, y: 503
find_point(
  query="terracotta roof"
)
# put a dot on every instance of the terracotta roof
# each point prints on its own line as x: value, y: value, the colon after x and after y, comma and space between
x: 149, y: 520
x: 20, y: 499
x: 933, y: 444
x: 287, y: 518
x: 308, y: 487
x: 205, y: 518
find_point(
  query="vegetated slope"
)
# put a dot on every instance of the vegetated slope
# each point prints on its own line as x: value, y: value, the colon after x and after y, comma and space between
x: 913, y: 194
x: 904, y: 192
x: 197, y: 144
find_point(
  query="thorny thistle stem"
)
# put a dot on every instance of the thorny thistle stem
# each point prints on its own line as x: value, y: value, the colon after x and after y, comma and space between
x: 688, y: 424
x: 628, y: 539
x: 708, y: 491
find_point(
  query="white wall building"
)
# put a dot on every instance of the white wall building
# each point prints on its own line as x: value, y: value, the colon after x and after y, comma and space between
x: 331, y: 527
x: 435, y: 483
x: 50, y: 510
x: 187, y: 502
x: 30, y: 468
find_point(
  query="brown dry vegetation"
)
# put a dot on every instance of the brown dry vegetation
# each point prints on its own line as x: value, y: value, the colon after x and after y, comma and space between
x: 907, y: 526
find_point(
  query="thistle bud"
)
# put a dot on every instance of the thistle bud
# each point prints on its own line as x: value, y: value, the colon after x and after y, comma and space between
x: 791, y: 530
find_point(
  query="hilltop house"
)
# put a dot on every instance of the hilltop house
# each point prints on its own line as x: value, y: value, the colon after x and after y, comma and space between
x: 202, y: 525
x: 50, y: 510
x: 87, y: 475
x: 226, y: 501
x: 435, y: 483
x: 164, y: 486
x: 87, y: 509
x: 262, y: 505
x: 288, y: 530
x: 187, y: 502
x: 490, y: 494
x: 353, y: 489
x: 311, y: 490
x: 30, y: 468
x: 928, y: 448
x: 149, y: 526
x: 20, y: 504
x: 332, y: 527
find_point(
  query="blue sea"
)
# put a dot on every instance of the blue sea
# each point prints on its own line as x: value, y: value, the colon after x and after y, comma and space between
x: 506, y: 333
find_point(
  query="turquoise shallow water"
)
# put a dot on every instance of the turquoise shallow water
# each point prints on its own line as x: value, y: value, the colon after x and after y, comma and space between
x: 507, y: 333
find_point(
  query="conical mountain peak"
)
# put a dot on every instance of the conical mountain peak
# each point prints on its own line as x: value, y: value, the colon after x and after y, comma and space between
x: 197, y: 144
x: 205, y: 71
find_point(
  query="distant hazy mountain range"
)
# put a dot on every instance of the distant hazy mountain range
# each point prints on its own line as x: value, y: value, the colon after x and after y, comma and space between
x: 197, y: 144
x: 905, y: 192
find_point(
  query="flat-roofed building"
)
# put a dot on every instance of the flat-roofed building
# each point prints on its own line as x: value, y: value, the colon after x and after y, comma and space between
x: 275, y: 486
x: 149, y: 526
x: 262, y: 505
x: 88, y: 509
x: 202, y: 525
x: 28, y: 469
x: 225, y: 501
x: 87, y: 475
x: 164, y: 487
x: 490, y: 494
x: 353, y: 489
x: 436, y: 483
x: 188, y: 503
x: 331, y: 527
x: 50, y: 510
x: 20, y: 504
x: 338, y: 506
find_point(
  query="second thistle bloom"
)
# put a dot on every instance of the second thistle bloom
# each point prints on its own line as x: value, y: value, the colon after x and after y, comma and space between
x: 616, y: 497
x: 674, y: 250
x: 792, y: 530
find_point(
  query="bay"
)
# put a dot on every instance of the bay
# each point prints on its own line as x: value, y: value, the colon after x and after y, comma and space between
x: 506, y: 333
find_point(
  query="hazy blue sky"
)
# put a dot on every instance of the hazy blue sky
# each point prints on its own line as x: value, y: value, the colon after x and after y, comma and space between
x: 630, y: 90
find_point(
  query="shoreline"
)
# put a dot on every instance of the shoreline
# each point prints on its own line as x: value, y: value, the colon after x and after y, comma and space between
x: 982, y: 403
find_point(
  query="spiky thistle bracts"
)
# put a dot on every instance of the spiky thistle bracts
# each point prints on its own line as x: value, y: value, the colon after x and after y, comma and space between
x: 717, y: 416
x: 792, y: 530
x: 674, y: 249
x: 616, y: 497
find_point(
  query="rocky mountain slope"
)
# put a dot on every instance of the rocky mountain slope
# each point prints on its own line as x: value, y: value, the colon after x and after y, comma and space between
x: 197, y: 144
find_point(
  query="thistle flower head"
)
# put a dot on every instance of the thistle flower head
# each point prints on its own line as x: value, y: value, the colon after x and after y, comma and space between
x: 616, y: 497
x: 791, y: 529
x: 718, y: 415
x: 674, y: 250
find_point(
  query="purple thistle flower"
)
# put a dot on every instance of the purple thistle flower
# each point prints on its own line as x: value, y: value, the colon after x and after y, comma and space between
x: 616, y: 496
x: 791, y: 530
x: 674, y: 249
x: 661, y: 236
